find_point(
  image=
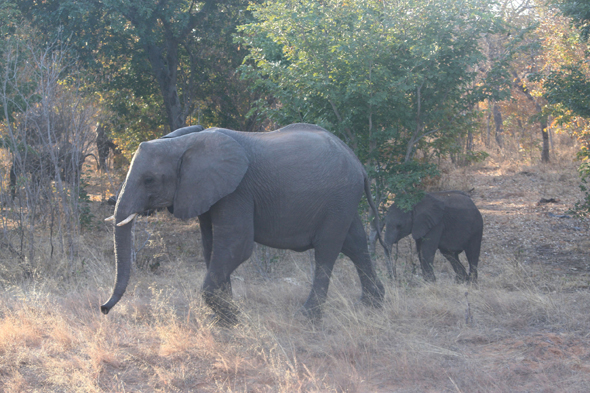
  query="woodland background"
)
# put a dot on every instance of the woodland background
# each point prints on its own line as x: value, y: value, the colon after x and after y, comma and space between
x: 489, y: 97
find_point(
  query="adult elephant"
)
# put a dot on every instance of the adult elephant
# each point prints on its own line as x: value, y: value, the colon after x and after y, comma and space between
x: 448, y: 221
x: 295, y: 188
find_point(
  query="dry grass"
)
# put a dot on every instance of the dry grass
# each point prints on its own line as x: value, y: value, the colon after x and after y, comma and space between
x: 524, y: 329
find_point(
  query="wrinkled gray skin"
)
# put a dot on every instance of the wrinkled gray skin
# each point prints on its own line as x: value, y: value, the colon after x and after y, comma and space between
x: 448, y: 221
x: 296, y: 188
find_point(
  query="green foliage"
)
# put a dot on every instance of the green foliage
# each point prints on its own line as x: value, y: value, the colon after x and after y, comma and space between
x: 154, y: 65
x: 582, y: 208
x: 567, y: 89
x: 404, y: 182
x: 579, y: 11
x: 570, y: 88
x: 390, y: 78
x: 17, y: 86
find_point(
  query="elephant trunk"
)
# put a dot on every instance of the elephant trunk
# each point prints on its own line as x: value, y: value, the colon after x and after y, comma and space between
x: 391, y: 238
x: 123, y: 243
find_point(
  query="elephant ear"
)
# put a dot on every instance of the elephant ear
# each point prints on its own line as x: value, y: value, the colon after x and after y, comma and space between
x: 427, y: 214
x: 211, y: 168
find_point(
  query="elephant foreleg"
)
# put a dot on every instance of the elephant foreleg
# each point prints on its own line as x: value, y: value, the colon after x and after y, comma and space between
x: 217, y: 294
x: 426, y: 255
x: 217, y: 290
x: 232, y: 244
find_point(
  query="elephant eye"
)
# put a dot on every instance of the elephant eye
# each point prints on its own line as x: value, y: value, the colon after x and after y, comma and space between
x: 148, y: 180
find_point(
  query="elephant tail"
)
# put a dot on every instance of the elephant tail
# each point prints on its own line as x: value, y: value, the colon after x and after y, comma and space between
x: 376, y: 214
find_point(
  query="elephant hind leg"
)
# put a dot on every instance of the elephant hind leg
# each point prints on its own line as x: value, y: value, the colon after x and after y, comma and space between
x: 206, y: 236
x: 453, y: 257
x: 325, y: 257
x: 356, y: 248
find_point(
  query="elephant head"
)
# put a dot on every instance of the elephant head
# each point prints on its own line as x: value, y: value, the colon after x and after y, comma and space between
x: 425, y: 215
x: 190, y: 173
x: 428, y: 213
x: 398, y: 224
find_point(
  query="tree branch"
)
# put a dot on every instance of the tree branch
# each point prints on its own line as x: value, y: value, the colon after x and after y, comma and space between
x: 348, y: 131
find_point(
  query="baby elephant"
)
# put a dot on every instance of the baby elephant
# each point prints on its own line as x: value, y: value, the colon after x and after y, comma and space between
x: 445, y: 220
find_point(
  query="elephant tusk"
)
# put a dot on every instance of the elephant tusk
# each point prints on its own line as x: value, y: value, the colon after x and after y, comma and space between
x: 111, y: 218
x: 127, y: 220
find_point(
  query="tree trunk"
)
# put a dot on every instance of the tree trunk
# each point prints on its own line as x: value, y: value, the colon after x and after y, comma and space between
x: 499, y: 125
x: 488, y: 129
x: 165, y: 71
x: 545, y: 134
x: 542, y: 119
x: 469, y: 143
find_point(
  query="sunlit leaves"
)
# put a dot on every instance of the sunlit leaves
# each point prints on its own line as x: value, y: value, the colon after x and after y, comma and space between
x: 579, y: 11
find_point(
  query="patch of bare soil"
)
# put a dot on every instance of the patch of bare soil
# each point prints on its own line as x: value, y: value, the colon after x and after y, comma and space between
x: 528, y: 217
x: 531, y: 229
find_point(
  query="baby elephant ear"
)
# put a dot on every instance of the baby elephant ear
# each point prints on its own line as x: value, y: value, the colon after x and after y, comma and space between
x: 211, y: 168
x: 427, y: 214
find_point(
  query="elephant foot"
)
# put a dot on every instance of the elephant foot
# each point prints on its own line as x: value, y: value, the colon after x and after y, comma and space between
x: 371, y: 302
x: 223, y: 320
x: 313, y: 314
x: 372, y: 299
x: 461, y: 279
x: 429, y: 277
x: 225, y: 311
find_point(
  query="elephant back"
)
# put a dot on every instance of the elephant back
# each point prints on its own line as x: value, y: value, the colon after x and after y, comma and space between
x: 461, y: 217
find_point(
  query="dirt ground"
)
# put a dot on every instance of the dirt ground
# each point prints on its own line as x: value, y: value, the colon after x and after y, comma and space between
x: 527, y: 213
x: 529, y: 225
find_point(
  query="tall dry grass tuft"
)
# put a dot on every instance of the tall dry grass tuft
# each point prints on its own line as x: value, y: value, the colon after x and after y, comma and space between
x: 18, y: 330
